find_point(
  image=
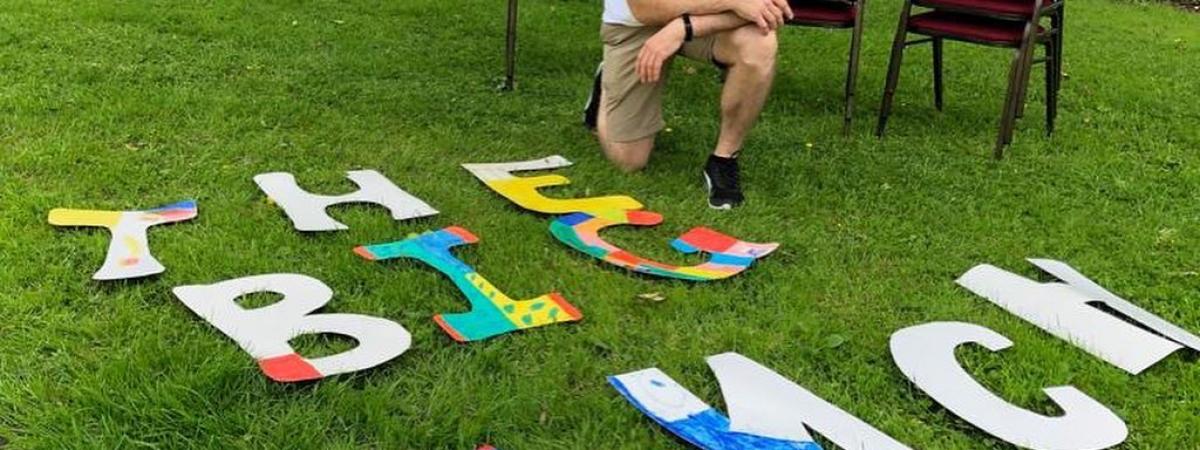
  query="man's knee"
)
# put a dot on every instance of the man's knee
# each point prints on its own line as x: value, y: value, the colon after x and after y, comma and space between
x: 629, y: 163
x: 629, y: 156
x: 630, y: 166
x: 755, y: 50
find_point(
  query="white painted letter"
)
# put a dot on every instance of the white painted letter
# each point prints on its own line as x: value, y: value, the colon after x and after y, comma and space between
x: 1063, y: 310
x: 264, y: 332
x: 1097, y: 293
x: 307, y: 210
x: 925, y: 354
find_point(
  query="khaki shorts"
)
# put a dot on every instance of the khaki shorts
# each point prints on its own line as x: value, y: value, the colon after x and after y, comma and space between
x: 634, y: 109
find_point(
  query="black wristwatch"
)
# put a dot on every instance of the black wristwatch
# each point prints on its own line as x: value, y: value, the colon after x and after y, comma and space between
x: 688, y: 34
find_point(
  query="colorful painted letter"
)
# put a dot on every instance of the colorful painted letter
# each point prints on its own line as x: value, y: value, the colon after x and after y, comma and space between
x: 925, y: 354
x: 129, y: 250
x: 307, y: 211
x: 492, y: 313
x: 728, y: 256
x: 766, y: 410
x: 264, y: 332
x: 524, y: 191
x: 1063, y: 309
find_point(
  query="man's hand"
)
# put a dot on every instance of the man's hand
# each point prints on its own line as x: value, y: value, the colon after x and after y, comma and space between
x: 767, y: 14
x: 658, y: 49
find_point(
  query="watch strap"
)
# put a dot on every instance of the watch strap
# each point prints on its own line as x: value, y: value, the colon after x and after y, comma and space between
x: 688, y: 33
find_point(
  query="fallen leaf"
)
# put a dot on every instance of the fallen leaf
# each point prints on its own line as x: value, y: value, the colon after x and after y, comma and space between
x: 834, y: 341
x: 652, y: 296
x: 1166, y: 236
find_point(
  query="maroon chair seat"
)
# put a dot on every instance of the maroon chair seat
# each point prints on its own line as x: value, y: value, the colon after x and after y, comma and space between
x: 969, y: 28
x: 1015, y: 9
x: 823, y: 13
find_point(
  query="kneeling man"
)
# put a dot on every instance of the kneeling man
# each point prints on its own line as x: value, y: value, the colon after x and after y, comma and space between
x: 640, y: 39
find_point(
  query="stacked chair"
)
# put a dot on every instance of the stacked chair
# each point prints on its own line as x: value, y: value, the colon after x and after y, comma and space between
x: 1015, y: 24
x: 844, y: 14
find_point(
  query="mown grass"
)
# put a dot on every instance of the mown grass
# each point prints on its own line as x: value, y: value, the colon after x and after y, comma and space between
x: 121, y: 105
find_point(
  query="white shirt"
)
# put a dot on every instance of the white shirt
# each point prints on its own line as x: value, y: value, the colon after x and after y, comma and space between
x: 617, y: 12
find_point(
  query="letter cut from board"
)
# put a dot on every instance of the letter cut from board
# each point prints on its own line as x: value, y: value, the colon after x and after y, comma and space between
x: 766, y: 410
x: 1065, y: 309
x: 307, y: 210
x: 129, y: 249
x: 524, y: 190
x: 728, y: 256
x: 925, y: 354
x: 264, y: 332
x: 492, y: 312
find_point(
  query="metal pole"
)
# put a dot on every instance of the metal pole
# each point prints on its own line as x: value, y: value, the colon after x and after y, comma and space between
x: 510, y: 50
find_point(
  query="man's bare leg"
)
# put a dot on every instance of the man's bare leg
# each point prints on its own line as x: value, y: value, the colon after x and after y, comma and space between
x: 750, y: 55
x: 627, y: 156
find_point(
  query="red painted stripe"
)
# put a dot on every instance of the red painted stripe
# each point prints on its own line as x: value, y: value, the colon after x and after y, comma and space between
x: 448, y: 329
x: 643, y: 217
x: 466, y: 236
x: 289, y: 368
x: 566, y: 306
x: 363, y: 252
x: 626, y: 257
x: 708, y: 240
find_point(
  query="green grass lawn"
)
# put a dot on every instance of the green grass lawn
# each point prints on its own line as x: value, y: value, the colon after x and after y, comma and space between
x: 131, y: 104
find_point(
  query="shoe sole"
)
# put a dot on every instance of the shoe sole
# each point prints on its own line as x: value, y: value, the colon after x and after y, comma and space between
x: 708, y: 187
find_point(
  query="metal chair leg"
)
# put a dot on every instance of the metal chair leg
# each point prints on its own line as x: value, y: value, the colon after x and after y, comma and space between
x: 1051, y: 93
x: 1023, y: 89
x: 937, y: 73
x: 893, y: 76
x: 852, y: 70
x: 1058, y: 50
x: 1023, y: 82
x: 1056, y: 22
x: 1009, y: 112
x: 510, y: 47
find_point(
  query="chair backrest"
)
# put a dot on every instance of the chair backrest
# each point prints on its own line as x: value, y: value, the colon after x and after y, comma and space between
x: 827, y: 13
x: 1022, y: 10
x: 804, y: 2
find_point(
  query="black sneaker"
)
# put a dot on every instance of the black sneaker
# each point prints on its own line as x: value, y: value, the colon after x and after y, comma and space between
x: 721, y: 179
x: 592, y: 109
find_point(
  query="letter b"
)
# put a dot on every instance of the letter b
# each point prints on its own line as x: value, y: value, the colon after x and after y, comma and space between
x: 264, y: 332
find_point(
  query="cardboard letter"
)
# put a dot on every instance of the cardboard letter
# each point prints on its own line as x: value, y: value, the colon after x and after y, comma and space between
x: 129, y: 250
x: 766, y: 411
x: 1063, y: 310
x: 492, y: 312
x: 524, y: 191
x: 728, y: 256
x: 307, y: 211
x: 925, y: 354
x: 264, y: 332
x: 1096, y: 293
